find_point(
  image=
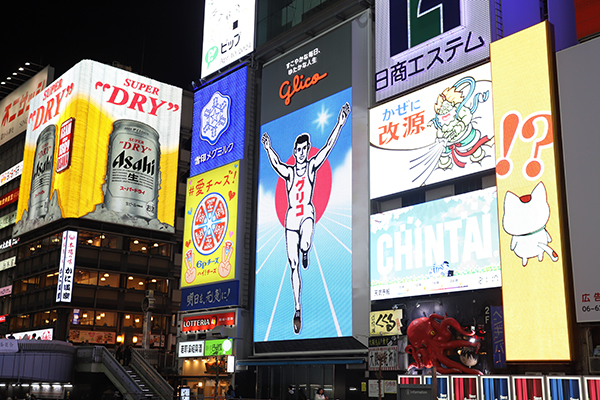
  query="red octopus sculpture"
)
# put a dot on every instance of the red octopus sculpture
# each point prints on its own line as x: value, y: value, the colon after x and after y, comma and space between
x: 430, y: 339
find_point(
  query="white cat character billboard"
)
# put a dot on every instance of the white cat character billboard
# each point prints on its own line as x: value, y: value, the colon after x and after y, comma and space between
x: 101, y: 143
x: 529, y: 197
x: 438, y: 133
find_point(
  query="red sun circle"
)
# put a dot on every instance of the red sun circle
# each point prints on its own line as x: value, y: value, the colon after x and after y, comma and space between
x: 321, y: 193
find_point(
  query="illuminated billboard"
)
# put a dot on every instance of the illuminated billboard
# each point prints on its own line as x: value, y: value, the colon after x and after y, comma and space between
x: 529, y: 206
x: 304, y: 220
x: 438, y: 133
x: 101, y: 143
x: 210, y: 233
x: 219, y: 124
x: 15, y: 107
x: 578, y: 86
x: 417, y: 41
x: 228, y: 33
x: 440, y: 246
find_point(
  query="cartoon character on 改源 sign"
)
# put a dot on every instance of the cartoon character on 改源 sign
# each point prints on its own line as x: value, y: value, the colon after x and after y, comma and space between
x: 457, y: 140
x: 525, y: 219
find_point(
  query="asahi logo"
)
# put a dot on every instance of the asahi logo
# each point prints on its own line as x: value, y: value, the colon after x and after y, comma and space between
x: 129, y: 162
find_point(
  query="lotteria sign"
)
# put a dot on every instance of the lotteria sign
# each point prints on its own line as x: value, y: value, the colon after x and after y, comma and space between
x: 207, y: 322
x: 419, y: 41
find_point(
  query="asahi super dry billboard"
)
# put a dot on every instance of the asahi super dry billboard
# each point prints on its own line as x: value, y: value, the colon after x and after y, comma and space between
x: 101, y: 143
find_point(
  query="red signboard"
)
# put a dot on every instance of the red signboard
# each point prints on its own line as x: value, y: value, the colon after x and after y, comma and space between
x: 65, y: 145
x: 3, y: 318
x: 9, y: 197
x: 207, y: 322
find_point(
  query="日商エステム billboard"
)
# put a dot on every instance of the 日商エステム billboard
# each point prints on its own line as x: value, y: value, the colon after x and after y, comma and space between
x: 440, y: 246
x: 417, y: 41
x: 101, y: 143
x: 441, y: 132
x: 219, y: 126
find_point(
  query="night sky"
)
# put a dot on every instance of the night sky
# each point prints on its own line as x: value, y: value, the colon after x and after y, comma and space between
x: 161, y: 40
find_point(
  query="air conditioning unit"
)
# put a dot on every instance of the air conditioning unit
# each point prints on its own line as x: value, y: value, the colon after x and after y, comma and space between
x: 595, y: 365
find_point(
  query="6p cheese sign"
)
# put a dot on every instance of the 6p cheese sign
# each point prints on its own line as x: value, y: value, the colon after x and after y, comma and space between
x: 211, y: 226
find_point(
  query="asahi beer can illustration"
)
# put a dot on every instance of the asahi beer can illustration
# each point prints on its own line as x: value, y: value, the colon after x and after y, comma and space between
x: 132, y: 170
x: 41, y: 178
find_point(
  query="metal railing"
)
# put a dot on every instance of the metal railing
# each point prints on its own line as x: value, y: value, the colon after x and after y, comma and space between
x: 149, y: 374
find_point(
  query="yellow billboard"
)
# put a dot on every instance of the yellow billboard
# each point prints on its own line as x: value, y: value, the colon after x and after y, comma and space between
x: 209, y: 238
x: 527, y: 173
x: 101, y: 143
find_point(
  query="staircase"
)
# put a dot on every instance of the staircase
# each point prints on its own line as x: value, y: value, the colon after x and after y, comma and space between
x: 138, y: 381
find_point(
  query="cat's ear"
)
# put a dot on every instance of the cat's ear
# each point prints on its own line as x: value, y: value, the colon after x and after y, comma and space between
x: 511, y: 201
x: 539, y: 191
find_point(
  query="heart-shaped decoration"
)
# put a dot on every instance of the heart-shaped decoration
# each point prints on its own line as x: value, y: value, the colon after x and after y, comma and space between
x: 230, y: 233
x: 231, y: 195
x: 188, y: 243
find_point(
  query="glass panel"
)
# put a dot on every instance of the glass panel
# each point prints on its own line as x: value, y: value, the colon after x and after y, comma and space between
x: 158, y: 285
x: 160, y: 249
x: 316, y: 380
x: 86, y: 317
x: 104, y: 318
x: 84, y: 277
x: 89, y: 238
x: 109, y: 279
x: 111, y: 241
x: 135, y: 282
x: 133, y: 320
x: 139, y: 245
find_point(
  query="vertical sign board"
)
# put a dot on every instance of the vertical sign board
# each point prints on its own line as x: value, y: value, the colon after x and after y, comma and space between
x: 304, y: 220
x: 498, y: 345
x: 66, y: 269
x: 418, y: 41
x: 14, y: 108
x: 441, y: 132
x: 218, y: 130
x: 210, y: 234
x: 591, y: 387
x: 528, y: 388
x: 228, y: 33
x: 564, y: 387
x: 495, y: 387
x: 529, y: 210
x: 578, y: 86
x: 101, y: 143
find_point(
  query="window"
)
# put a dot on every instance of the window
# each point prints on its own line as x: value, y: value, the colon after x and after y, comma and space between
x: 89, y: 238
x: 158, y: 285
x: 109, y: 279
x: 86, y: 317
x: 106, y: 319
x: 160, y: 249
x: 26, y: 284
x: 49, y: 279
x: 44, y: 318
x: 84, y: 277
x: 133, y: 320
x: 135, y: 282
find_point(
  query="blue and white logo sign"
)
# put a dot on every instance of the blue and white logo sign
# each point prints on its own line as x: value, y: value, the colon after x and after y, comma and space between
x: 219, y: 124
x: 215, y: 117
x: 417, y: 41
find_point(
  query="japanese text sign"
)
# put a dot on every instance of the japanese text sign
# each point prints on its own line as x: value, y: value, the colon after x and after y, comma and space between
x: 66, y: 269
x: 228, y: 33
x: 210, y: 296
x: 6, y: 290
x: 385, y: 322
x: 384, y: 358
x: 14, y: 108
x: 191, y: 348
x: 9, y: 198
x: 441, y: 132
x: 210, y: 232
x: 531, y: 244
x: 445, y: 245
x: 219, y: 124
x: 417, y: 42
x: 101, y: 143
x: 218, y: 347
x: 206, y: 322
x: 8, y: 263
x: 11, y: 173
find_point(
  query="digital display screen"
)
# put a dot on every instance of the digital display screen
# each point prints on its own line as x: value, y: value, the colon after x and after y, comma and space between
x: 218, y: 129
x: 440, y: 246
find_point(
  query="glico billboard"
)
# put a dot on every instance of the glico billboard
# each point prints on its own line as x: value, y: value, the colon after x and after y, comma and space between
x: 304, y: 220
x: 219, y: 126
x: 101, y: 143
x: 441, y: 132
x: 419, y: 41
x: 440, y: 246
x: 529, y: 197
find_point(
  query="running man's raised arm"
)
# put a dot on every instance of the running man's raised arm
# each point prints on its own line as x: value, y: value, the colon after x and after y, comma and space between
x: 323, y: 153
x: 279, y: 167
